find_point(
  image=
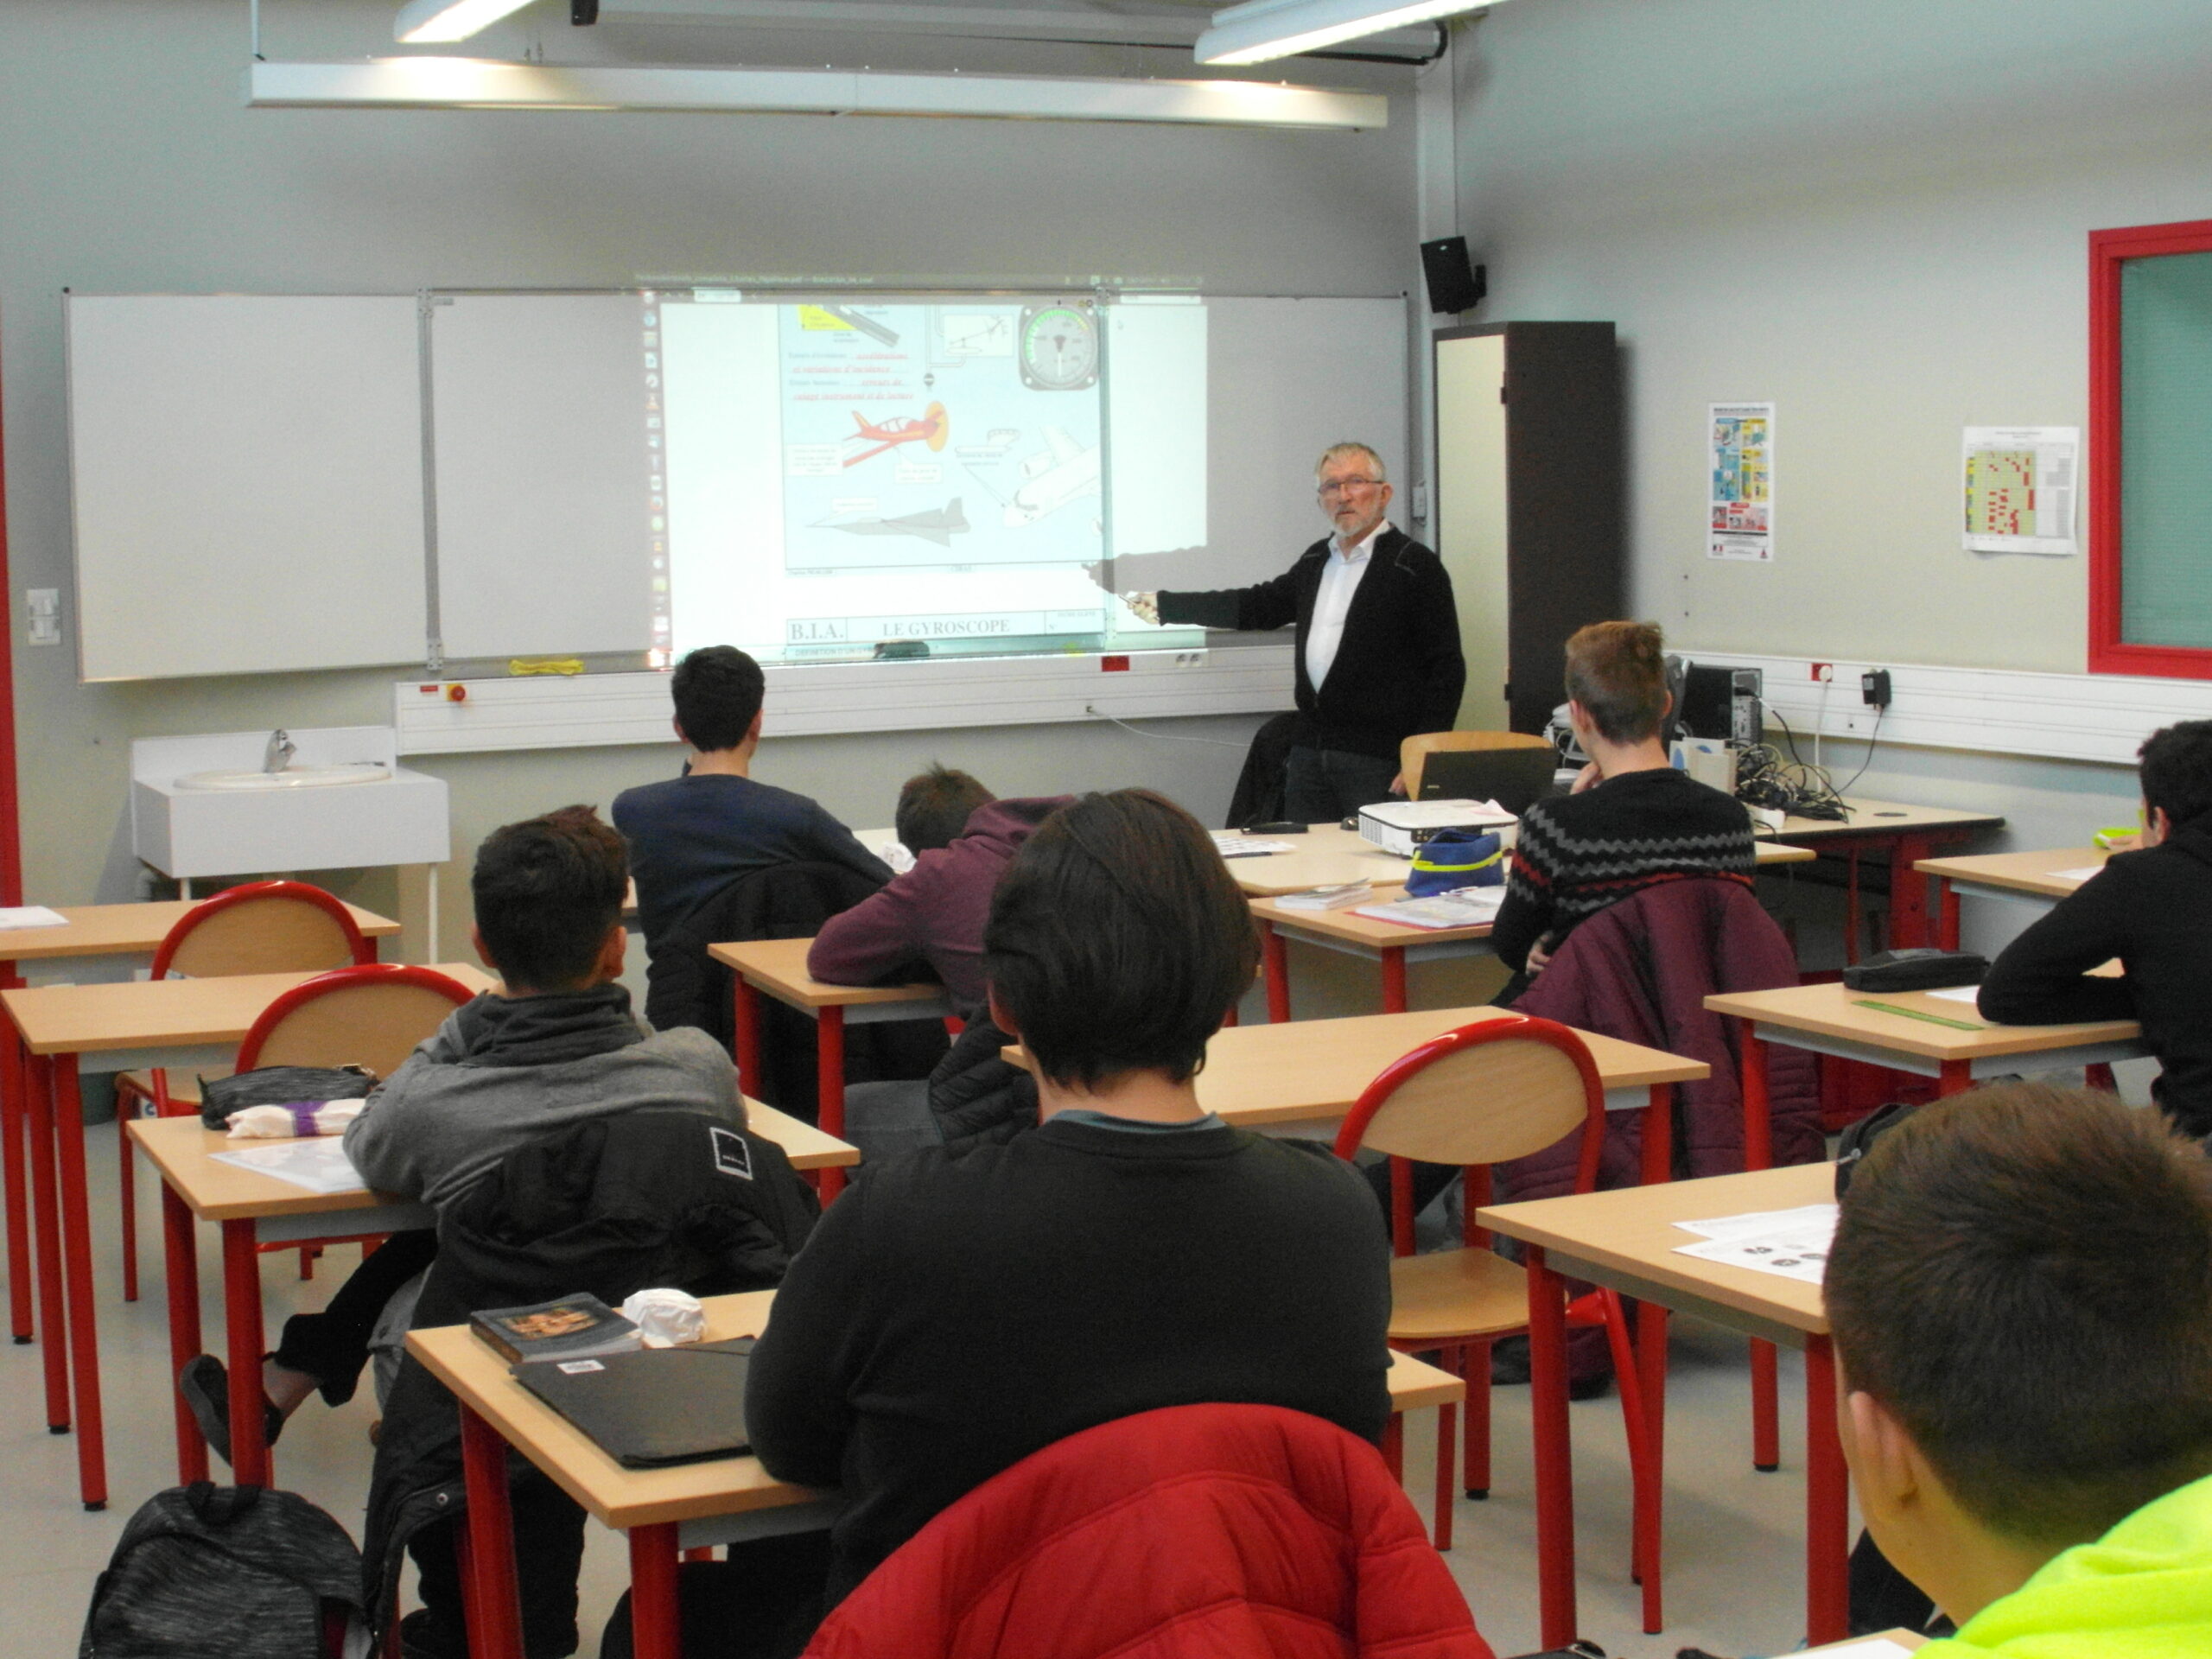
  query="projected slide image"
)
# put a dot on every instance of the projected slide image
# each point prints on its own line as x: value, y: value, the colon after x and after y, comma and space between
x: 927, y: 435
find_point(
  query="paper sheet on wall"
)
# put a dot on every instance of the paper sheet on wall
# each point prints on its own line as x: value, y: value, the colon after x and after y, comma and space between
x: 2020, y: 485
x: 1793, y: 1243
x: 1739, y: 521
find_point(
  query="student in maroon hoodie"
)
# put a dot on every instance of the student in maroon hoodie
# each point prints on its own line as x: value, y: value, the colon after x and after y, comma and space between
x: 929, y: 921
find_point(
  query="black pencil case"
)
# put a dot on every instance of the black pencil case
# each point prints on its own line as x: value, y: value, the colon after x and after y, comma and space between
x: 1920, y: 969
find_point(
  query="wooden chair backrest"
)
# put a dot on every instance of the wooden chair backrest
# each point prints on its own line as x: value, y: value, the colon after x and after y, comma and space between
x: 371, y: 1025
x: 1484, y: 1105
x: 1414, y: 752
x: 271, y: 935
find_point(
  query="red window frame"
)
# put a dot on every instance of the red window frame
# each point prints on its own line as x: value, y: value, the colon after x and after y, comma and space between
x: 2109, y: 252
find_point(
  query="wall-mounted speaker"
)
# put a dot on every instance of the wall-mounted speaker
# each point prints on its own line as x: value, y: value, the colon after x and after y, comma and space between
x: 1455, y: 285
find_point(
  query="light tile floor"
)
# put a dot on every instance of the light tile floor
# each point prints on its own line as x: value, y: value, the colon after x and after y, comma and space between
x: 1734, y: 1578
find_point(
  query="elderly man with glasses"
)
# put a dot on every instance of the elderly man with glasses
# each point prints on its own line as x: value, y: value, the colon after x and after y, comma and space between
x: 1377, y: 654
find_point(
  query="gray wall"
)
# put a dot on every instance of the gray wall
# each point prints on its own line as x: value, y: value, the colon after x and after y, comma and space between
x: 1875, y: 215
x: 128, y: 164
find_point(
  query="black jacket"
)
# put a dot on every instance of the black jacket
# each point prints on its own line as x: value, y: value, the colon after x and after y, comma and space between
x: 1398, y: 670
x: 684, y: 986
x: 610, y: 1207
x: 2152, y: 910
x: 953, y: 1313
x: 978, y: 1098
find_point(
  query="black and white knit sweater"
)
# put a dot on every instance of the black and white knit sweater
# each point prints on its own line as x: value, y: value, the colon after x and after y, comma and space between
x: 1580, y: 853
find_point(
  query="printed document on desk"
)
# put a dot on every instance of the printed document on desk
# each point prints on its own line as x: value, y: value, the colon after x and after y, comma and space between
x: 1793, y: 1243
x: 1461, y: 907
x: 31, y: 916
x: 319, y: 1164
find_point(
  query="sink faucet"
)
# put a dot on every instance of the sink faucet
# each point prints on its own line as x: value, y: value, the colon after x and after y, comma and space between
x: 280, y: 751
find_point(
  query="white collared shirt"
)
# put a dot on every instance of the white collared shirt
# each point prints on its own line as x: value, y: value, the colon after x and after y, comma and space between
x: 1332, y: 603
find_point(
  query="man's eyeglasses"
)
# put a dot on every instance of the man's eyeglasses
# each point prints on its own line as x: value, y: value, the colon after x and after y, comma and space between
x: 1344, y: 486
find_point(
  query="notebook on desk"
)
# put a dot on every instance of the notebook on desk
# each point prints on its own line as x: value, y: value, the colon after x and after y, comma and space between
x: 655, y: 1407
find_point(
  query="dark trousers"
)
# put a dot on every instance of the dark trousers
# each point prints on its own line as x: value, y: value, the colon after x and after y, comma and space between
x: 549, y: 1553
x: 1322, y: 786
x: 332, y: 1345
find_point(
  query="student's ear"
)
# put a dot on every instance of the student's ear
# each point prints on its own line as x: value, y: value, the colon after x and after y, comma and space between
x: 484, y: 951
x: 753, y: 732
x: 1001, y: 1017
x: 612, y: 950
x: 677, y: 726
x: 2159, y: 825
x: 1886, y: 1467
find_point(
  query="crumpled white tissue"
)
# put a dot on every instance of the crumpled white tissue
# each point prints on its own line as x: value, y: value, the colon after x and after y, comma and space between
x: 666, y: 1318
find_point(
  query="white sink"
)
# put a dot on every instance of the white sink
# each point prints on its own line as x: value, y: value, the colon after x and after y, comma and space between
x: 360, y: 772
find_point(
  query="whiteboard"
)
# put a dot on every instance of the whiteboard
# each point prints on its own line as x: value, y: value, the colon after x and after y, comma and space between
x: 539, y: 431
x: 246, y: 483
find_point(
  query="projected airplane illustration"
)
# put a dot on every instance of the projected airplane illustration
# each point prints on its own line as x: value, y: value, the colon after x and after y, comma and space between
x: 932, y: 430
x: 938, y: 524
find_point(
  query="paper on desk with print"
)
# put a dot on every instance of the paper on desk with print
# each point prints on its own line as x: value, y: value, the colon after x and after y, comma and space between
x: 1791, y: 1243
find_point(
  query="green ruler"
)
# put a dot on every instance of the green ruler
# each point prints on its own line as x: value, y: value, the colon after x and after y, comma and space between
x: 1919, y: 1013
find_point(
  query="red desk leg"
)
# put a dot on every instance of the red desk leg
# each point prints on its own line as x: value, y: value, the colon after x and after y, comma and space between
x: 1658, y: 1136
x: 1826, y: 1503
x: 1554, y: 1456
x: 1651, y: 1350
x: 1853, y: 931
x: 488, y: 1576
x: 53, y: 1298
x: 180, y: 1254
x: 656, y: 1618
x: 15, y: 1121
x: 1957, y: 1078
x: 1758, y: 1153
x: 1394, y: 979
x: 250, y: 1460
x: 1948, y: 896
x: 1277, y: 954
x: 745, y: 1026
x: 829, y: 1088
x: 77, y: 1245
x: 1908, y: 921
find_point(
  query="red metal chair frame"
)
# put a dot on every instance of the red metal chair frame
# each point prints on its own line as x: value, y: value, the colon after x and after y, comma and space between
x: 1470, y: 1358
x: 364, y: 952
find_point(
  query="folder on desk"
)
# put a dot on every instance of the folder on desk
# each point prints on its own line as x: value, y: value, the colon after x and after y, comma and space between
x: 655, y: 1407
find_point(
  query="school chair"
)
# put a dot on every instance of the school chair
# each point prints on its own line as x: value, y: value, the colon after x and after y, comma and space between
x: 1478, y: 1096
x: 261, y: 927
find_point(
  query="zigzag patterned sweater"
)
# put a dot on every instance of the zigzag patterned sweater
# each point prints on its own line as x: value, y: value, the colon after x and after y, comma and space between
x: 1580, y: 853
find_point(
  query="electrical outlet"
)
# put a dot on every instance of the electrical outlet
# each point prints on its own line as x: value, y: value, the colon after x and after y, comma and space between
x: 1874, y: 687
x: 44, y: 605
x: 1824, y: 672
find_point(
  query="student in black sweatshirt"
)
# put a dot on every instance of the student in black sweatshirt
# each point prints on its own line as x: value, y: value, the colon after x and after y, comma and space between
x: 952, y: 1314
x: 2152, y: 910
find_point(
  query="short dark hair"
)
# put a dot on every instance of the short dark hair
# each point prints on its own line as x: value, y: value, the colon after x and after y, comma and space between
x: 2176, y: 770
x: 1117, y: 941
x: 1618, y: 672
x: 548, y: 890
x: 718, y: 689
x: 933, y: 807
x: 2023, y: 1276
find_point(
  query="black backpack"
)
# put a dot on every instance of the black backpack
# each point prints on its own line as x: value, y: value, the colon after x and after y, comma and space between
x: 235, y: 1573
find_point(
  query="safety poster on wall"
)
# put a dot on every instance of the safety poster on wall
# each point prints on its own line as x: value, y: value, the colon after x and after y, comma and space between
x: 1739, y: 522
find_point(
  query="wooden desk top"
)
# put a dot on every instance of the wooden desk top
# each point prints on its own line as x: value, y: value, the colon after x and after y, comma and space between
x: 1631, y: 1231
x: 623, y: 1498
x: 1329, y: 854
x: 183, y: 1149
x: 778, y: 967
x: 1870, y: 817
x: 162, y: 1012
x: 1306, y: 1069
x: 127, y: 930
x: 2028, y: 873
x: 1832, y: 1011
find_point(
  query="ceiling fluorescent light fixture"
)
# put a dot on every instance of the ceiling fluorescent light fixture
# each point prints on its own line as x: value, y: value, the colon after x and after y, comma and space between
x: 1261, y: 29
x: 429, y: 22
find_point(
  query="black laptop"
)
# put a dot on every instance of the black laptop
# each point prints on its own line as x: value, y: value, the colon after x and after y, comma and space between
x: 1512, y: 778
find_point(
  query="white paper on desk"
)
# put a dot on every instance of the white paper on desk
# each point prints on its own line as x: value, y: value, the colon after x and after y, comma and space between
x: 319, y: 1164
x: 1798, y: 1250
x: 1761, y: 1221
x: 2078, y: 876
x: 1873, y: 1647
x: 1247, y: 846
x: 1966, y: 993
x: 31, y: 916
x: 1441, y: 910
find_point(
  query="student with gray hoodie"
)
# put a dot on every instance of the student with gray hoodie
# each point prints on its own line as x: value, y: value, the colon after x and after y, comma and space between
x: 555, y: 1045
